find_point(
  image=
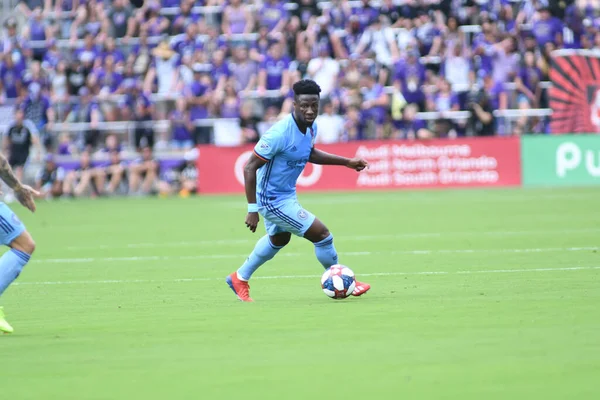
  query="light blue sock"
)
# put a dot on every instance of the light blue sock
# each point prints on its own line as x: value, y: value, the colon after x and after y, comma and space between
x: 11, y: 265
x: 325, y: 251
x: 263, y: 252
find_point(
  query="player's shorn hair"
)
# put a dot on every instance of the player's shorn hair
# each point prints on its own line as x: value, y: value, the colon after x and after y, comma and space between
x: 306, y: 86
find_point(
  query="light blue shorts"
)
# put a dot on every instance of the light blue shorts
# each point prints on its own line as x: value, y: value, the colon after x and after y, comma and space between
x: 286, y: 216
x: 11, y: 226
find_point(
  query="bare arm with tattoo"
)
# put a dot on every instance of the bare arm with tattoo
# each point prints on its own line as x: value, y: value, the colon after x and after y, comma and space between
x: 23, y: 193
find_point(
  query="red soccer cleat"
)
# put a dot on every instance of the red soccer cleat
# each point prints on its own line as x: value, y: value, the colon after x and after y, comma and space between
x: 361, y: 288
x: 239, y: 287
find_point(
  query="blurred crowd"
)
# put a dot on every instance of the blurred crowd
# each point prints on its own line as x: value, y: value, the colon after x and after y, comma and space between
x: 380, y: 64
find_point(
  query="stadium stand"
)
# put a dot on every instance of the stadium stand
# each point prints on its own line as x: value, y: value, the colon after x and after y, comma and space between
x: 98, y: 77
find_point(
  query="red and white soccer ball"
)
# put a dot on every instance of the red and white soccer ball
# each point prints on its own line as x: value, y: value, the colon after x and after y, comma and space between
x: 338, y: 282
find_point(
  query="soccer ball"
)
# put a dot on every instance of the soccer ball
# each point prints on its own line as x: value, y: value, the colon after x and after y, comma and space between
x: 338, y: 282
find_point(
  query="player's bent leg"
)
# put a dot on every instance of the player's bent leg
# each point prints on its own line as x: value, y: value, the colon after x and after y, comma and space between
x: 13, y: 261
x: 320, y: 236
x: 266, y: 248
x: 325, y: 251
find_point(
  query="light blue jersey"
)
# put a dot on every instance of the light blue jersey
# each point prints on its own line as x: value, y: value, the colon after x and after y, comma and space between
x: 10, y: 225
x: 286, y: 150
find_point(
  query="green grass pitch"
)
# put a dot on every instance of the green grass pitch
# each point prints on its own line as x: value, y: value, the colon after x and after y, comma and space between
x: 477, y: 294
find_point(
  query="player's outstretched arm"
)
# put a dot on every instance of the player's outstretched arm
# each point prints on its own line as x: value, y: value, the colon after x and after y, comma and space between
x: 23, y: 193
x: 253, y: 164
x: 320, y: 157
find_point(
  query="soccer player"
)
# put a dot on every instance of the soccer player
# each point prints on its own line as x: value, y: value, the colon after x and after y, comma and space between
x: 270, y: 177
x: 13, y: 234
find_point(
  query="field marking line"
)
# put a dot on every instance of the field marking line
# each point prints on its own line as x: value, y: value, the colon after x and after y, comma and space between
x: 351, y: 253
x: 227, y: 242
x: 465, y: 272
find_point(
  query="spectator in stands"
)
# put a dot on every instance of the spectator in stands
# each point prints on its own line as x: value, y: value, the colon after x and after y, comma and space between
x: 152, y: 21
x: 163, y: 70
x: 331, y: 126
x: 505, y: 61
x: 18, y: 139
x: 428, y: 34
x: 260, y: 47
x: 182, y: 127
x: 374, y: 106
x: 409, y: 78
x: 243, y: 70
x: 229, y: 104
x: 111, y: 50
x: 37, y: 30
x: 182, y: 179
x: 119, y: 17
x: 186, y: 18
x: 37, y: 107
x: 90, y: 51
x: 198, y: 96
x: 52, y: 57
x: 116, y: 174
x: 547, y: 28
x: 237, y: 18
x: 273, y: 15
x: 354, y: 126
x: 443, y: 100
x: 59, y: 91
x: 65, y: 147
x: 11, y: 82
x: 143, y: 173
x: 482, y: 121
x: 87, y: 111
x: 85, y: 179
x: 88, y: 22
x: 366, y: 14
x: 299, y: 66
x: 187, y: 43
x: 324, y: 70
x: 49, y: 180
x: 13, y: 44
x: 338, y: 14
x: 456, y: 68
x: 379, y: 40
x: 27, y: 6
x: 220, y: 71
x: 249, y: 123
x: 410, y: 126
x: 274, y: 71
x: 305, y: 11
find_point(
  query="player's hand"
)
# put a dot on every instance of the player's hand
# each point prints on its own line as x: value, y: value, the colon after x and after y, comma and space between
x: 357, y: 164
x: 25, y: 195
x: 252, y: 221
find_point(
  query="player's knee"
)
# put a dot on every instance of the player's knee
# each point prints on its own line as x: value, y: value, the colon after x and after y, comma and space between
x: 322, y: 235
x: 24, y: 243
x: 281, y: 239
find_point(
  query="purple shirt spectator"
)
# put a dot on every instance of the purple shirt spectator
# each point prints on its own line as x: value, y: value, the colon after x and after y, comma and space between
x: 180, y: 121
x: 337, y: 17
x: 366, y: 15
x: 275, y: 69
x: 408, y: 129
x: 531, y: 77
x: 220, y: 70
x: 375, y: 113
x: 11, y: 78
x: 271, y: 13
x: 230, y: 108
x: 411, y: 75
x: 197, y: 89
x: 111, y: 80
x: 545, y: 30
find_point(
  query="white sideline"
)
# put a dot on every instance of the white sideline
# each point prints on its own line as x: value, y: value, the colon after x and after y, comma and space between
x: 284, y: 254
x: 491, y: 271
x: 227, y: 242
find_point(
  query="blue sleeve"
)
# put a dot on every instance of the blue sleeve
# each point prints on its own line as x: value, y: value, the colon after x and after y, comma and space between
x: 269, y: 145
